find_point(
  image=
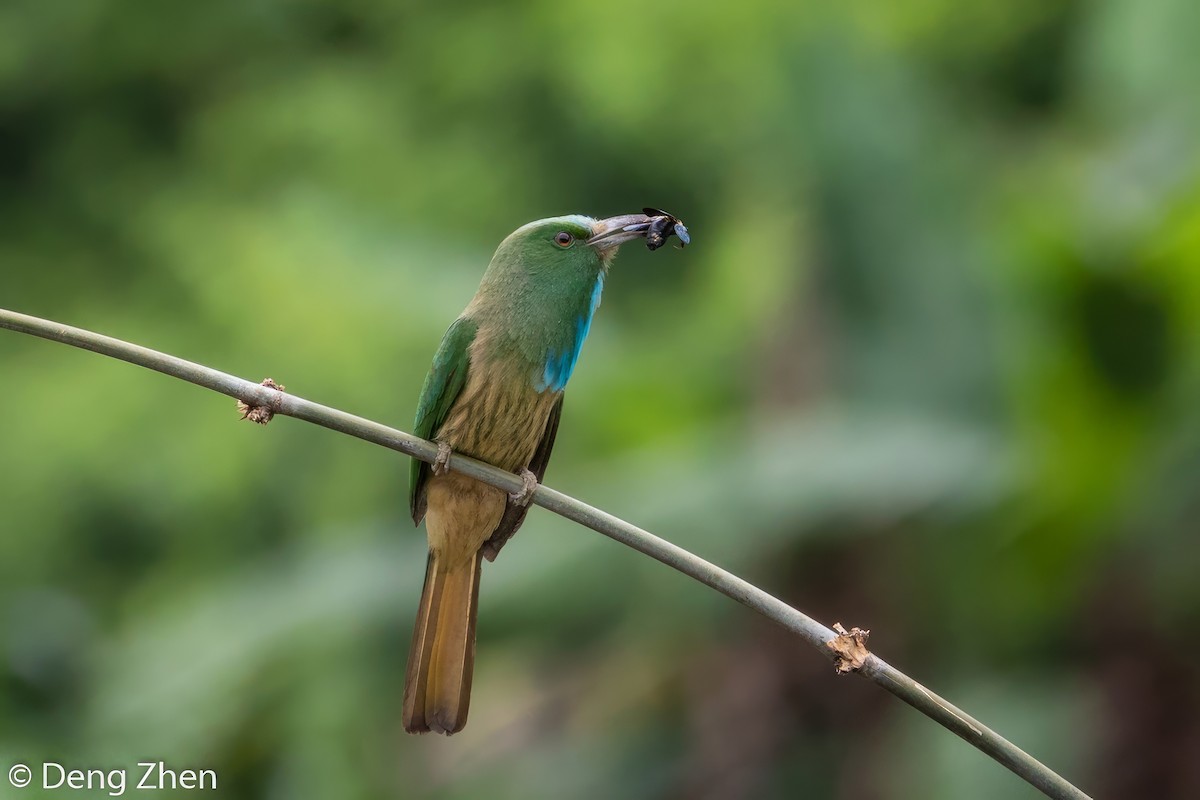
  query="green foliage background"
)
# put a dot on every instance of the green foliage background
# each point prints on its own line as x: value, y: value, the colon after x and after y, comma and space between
x: 930, y: 368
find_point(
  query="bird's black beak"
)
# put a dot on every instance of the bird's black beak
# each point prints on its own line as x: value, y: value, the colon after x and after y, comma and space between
x: 614, y: 231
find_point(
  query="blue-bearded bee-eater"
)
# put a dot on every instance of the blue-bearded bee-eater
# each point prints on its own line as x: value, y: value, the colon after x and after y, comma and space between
x: 495, y: 393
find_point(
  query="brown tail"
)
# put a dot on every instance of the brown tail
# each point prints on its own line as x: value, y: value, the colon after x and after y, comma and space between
x: 437, y: 688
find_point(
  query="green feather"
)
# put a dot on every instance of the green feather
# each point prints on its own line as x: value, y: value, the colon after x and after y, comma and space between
x: 445, y: 380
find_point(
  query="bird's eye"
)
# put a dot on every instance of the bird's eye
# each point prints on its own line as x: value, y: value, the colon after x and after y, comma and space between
x: 563, y: 239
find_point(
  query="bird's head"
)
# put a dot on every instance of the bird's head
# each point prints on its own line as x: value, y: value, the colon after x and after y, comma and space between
x: 573, y: 240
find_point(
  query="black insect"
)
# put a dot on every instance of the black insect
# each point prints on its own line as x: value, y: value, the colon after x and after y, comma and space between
x: 662, y: 225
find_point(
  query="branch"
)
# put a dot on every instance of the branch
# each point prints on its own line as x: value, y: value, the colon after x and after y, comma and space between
x: 846, y: 649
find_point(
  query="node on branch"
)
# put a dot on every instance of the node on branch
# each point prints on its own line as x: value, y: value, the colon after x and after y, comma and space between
x: 850, y: 648
x: 261, y: 414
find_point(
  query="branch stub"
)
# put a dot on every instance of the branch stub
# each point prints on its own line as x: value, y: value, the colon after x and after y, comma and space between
x: 261, y: 414
x: 850, y: 648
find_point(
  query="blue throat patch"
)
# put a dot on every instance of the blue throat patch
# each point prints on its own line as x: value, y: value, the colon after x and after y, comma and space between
x: 559, y: 366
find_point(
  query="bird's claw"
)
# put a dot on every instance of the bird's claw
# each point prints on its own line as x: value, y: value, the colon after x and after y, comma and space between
x: 529, y: 486
x: 441, y: 464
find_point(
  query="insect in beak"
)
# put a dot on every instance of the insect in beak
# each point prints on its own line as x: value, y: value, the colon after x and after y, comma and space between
x: 657, y: 226
x: 662, y: 225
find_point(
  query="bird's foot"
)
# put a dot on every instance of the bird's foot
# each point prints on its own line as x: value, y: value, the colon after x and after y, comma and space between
x: 441, y: 464
x: 529, y: 486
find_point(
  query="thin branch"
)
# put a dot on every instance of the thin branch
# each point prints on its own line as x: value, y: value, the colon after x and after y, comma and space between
x: 845, y: 649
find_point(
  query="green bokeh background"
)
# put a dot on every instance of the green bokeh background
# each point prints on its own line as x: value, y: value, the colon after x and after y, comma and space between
x: 931, y: 367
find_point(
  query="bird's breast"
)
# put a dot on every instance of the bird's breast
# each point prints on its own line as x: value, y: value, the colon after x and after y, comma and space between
x: 499, y: 417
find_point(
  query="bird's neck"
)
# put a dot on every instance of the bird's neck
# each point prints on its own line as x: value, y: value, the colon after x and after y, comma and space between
x: 538, y: 324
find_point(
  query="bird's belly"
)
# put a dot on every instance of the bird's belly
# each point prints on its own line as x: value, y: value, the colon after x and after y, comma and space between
x: 498, y: 421
x: 462, y: 515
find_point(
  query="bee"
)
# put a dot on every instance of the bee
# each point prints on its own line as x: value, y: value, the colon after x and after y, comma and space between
x: 661, y: 226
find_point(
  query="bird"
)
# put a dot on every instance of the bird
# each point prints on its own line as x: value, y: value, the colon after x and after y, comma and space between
x: 495, y: 392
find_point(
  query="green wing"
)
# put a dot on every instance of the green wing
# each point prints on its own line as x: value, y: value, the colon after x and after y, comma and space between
x: 445, y: 380
x: 514, y: 514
